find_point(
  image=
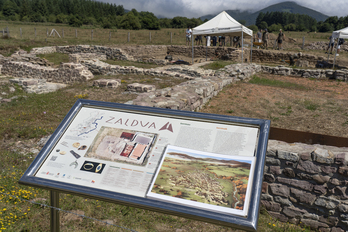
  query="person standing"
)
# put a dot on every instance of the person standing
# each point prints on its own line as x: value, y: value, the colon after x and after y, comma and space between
x: 340, y: 42
x: 259, y: 36
x: 188, y: 36
x: 280, y: 39
x: 265, y: 38
x: 208, y: 40
x: 331, y: 44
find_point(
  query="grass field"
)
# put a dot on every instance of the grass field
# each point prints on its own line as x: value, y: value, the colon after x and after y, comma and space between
x: 30, y: 117
x: 29, y: 35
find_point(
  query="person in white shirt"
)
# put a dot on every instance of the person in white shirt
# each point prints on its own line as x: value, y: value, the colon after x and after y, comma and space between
x: 188, y: 36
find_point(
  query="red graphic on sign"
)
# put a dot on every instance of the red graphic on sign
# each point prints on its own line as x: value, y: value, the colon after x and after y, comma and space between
x: 167, y: 126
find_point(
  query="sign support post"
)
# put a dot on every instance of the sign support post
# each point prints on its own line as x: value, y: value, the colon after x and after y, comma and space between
x: 54, y: 198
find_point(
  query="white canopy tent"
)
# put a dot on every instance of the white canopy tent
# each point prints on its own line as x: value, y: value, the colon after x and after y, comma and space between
x: 343, y: 33
x: 222, y: 25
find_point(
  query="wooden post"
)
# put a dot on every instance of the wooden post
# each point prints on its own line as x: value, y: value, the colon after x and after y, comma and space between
x: 230, y: 41
x: 109, y: 36
x: 171, y: 37
x: 75, y: 33
x: 20, y: 32
x: 8, y: 32
x: 92, y: 34
x: 303, y: 40
x: 35, y: 31
x: 128, y: 38
x: 62, y: 33
x: 3, y: 32
x: 150, y: 36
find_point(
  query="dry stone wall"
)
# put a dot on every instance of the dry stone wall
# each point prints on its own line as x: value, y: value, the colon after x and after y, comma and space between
x: 78, y: 57
x: 193, y: 94
x: 265, y: 56
x: 37, y: 86
x: 320, y: 45
x: 110, y: 52
x: 307, y: 73
x: 67, y: 73
x: 307, y: 184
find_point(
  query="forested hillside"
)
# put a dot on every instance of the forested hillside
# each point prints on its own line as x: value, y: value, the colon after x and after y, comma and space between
x: 79, y: 13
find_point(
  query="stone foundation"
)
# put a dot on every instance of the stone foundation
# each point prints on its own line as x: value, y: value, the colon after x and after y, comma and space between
x: 37, y: 86
x: 67, y: 73
x: 78, y: 57
x: 307, y: 184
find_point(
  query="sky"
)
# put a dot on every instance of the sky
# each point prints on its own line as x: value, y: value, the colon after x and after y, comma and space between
x: 198, y: 8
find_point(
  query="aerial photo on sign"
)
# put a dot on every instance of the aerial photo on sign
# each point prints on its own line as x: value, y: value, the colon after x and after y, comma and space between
x: 207, y: 178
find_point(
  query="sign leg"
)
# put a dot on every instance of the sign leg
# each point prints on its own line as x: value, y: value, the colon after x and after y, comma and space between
x: 54, y: 197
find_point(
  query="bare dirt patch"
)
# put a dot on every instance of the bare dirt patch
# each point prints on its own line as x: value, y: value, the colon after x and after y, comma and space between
x: 317, y: 106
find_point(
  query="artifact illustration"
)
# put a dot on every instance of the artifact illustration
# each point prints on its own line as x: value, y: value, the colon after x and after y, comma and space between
x: 119, y: 145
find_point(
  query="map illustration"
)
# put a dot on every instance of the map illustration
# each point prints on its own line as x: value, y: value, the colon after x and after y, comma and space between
x: 88, y: 125
x: 126, y: 146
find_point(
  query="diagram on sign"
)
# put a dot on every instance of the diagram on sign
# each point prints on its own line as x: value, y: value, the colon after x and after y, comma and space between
x: 120, y: 145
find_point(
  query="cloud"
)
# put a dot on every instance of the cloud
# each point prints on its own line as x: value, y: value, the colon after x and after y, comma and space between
x: 197, y: 8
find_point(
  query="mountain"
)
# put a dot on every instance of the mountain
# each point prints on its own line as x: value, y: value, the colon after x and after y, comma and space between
x: 236, y: 14
x: 290, y: 7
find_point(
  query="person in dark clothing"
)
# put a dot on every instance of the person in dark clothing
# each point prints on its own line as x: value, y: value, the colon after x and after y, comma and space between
x: 214, y: 40
x: 236, y: 41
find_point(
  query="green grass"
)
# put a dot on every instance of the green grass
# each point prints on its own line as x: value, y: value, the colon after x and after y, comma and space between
x: 276, y: 83
x: 55, y: 58
x: 217, y: 65
x: 309, y: 105
x: 132, y: 63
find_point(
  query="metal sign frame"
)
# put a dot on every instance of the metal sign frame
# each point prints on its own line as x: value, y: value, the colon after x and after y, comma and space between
x: 248, y: 222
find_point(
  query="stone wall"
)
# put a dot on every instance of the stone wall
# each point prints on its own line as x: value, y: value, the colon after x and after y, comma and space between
x: 78, y: 57
x: 341, y: 75
x: 193, y: 94
x: 67, y: 73
x: 110, y: 52
x: 265, y: 56
x: 307, y: 184
x: 320, y: 45
x: 146, y: 51
x: 227, y: 53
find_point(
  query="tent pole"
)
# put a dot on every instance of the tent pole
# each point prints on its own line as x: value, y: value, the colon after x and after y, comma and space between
x: 333, y: 66
x: 251, y: 50
x: 242, y: 44
x: 192, y: 46
x: 206, y: 49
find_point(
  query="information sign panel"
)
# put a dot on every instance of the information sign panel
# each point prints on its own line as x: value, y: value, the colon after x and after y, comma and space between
x: 184, y: 163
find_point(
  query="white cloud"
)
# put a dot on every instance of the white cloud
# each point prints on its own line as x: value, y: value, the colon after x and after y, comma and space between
x: 197, y: 8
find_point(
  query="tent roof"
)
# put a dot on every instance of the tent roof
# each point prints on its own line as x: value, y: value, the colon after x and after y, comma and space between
x: 222, y: 24
x: 343, y: 33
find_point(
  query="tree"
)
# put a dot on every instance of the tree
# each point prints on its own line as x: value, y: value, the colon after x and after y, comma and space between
x: 129, y: 21
x: 290, y: 27
x: 326, y: 27
x: 259, y: 19
x: 275, y: 27
x: 75, y: 21
x: 149, y: 21
x: 254, y: 28
x: 165, y: 23
x: 10, y: 8
x: 263, y: 25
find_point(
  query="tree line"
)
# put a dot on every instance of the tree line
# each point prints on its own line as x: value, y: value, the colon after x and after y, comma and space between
x: 274, y: 21
x: 79, y: 13
x: 87, y: 12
